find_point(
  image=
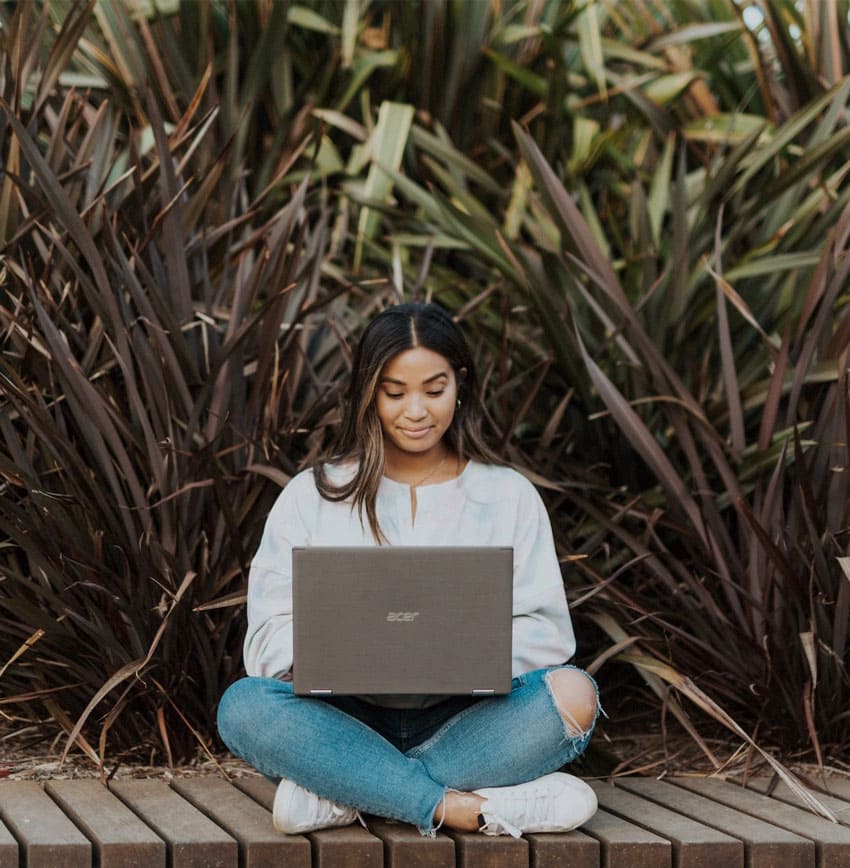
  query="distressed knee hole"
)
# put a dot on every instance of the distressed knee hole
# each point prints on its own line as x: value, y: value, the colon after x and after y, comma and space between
x: 575, y: 698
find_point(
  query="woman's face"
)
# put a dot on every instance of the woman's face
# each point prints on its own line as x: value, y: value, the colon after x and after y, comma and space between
x: 416, y: 399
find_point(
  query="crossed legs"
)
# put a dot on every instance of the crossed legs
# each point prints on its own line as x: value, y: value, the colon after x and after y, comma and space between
x: 545, y: 722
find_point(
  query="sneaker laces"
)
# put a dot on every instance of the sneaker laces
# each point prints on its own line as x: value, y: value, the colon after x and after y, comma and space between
x: 522, y: 807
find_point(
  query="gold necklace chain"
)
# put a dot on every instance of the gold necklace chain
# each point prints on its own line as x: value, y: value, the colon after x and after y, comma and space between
x: 430, y: 473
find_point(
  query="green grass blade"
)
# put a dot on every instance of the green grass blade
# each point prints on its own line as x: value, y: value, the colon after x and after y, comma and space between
x: 387, y: 145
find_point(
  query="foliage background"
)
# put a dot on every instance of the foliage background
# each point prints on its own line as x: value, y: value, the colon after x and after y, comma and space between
x: 636, y: 209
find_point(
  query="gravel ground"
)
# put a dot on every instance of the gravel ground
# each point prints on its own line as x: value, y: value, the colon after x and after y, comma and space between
x: 24, y: 756
x: 48, y: 768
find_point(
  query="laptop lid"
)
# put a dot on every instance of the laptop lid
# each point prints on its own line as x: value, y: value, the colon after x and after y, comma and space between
x: 402, y: 620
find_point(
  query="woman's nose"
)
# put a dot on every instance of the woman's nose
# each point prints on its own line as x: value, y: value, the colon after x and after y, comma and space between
x: 415, y: 407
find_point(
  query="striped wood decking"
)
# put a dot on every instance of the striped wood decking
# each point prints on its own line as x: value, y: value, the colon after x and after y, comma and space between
x: 206, y: 821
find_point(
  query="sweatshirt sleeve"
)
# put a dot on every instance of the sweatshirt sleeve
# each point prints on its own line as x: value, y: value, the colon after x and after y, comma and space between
x: 268, y: 642
x: 542, y: 628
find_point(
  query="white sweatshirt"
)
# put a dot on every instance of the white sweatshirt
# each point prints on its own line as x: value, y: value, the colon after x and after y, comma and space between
x: 486, y: 505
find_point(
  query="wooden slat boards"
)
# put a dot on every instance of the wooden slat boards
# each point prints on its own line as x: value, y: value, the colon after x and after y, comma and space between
x: 680, y: 823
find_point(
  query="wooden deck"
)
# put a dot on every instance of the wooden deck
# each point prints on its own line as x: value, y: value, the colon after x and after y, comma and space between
x: 642, y: 823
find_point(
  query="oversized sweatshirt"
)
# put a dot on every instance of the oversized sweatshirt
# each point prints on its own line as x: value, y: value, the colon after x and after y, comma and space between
x: 485, y: 505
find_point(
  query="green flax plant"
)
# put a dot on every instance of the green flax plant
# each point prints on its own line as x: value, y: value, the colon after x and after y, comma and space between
x: 636, y: 209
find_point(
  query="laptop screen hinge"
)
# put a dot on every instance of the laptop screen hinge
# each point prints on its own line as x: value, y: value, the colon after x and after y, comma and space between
x: 484, y: 692
x: 321, y: 693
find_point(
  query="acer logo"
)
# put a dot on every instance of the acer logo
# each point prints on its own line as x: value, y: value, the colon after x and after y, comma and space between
x: 402, y: 616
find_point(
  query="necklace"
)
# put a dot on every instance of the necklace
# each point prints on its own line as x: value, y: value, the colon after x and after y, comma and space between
x: 430, y: 473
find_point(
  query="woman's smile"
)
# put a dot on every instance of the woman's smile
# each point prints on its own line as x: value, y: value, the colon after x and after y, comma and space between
x: 415, y: 433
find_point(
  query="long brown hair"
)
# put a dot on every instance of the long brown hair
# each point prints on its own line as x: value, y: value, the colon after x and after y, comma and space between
x: 360, y: 437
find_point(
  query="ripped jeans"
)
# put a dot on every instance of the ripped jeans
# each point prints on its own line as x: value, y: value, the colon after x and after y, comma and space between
x: 398, y: 763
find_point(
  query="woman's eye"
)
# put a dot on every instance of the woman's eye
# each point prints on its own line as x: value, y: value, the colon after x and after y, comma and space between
x: 435, y: 394
x: 394, y: 394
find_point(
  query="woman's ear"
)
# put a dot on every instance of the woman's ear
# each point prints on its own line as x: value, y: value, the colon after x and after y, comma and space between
x: 460, y: 375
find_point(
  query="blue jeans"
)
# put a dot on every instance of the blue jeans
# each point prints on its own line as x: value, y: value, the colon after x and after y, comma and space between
x: 397, y: 763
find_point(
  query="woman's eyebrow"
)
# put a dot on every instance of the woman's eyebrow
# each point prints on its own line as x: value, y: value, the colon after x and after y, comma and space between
x: 424, y: 382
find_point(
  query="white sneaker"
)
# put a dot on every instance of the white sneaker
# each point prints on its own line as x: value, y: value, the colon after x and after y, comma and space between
x: 297, y: 810
x: 554, y: 803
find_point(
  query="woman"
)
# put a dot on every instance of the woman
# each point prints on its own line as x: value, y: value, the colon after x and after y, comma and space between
x: 411, y: 468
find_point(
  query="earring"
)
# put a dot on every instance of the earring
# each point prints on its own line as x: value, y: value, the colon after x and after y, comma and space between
x: 458, y: 402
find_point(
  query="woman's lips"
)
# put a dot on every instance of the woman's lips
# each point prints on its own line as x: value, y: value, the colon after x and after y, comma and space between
x: 415, y: 433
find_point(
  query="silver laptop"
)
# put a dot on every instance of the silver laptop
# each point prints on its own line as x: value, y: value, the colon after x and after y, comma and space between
x: 402, y: 620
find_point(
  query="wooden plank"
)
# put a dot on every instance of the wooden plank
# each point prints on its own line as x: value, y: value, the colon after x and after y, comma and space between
x: 9, y: 857
x: 695, y: 845
x: 765, y: 785
x: 261, y: 790
x: 624, y: 845
x: 765, y: 845
x: 119, y: 837
x: 193, y: 840
x: 46, y: 837
x: 347, y: 847
x: 563, y: 850
x: 836, y: 785
x: 260, y: 844
x: 406, y: 847
x: 832, y: 841
x: 474, y: 850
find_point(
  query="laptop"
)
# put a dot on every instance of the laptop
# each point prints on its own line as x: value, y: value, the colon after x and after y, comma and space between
x: 402, y: 620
